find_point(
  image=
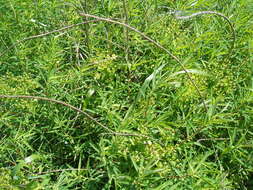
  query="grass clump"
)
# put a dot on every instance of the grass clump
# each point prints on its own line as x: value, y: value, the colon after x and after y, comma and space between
x: 86, y: 104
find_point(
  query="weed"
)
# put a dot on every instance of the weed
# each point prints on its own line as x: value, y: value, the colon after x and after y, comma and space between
x: 177, y: 115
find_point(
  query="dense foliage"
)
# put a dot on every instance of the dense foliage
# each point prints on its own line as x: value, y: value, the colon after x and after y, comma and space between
x: 130, y: 86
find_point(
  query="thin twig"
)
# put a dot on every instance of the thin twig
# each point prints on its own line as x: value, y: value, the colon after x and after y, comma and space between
x: 79, y: 111
x: 116, y: 22
x: 58, y: 102
x: 126, y: 30
x: 213, y: 139
x: 60, y: 170
x: 156, y: 44
x: 84, y: 5
x: 188, y: 139
x: 214, y: 13
x: 45, y: 34
x: 231, y: 48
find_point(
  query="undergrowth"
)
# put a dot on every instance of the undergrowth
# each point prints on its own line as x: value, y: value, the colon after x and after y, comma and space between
x: 98, y: 106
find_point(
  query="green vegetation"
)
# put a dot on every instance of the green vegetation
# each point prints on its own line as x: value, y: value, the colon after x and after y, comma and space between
x: 112, y: 110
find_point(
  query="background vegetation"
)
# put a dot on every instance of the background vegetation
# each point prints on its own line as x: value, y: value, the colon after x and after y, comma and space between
x: 129, y: 86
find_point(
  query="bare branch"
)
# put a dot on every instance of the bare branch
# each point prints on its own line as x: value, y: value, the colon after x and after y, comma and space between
x: 111, y: 132
x: 126, y: 29
x: 156, y: 44
x: 59, y: 102
x: 213, y: 139
x: 45, y: 34
x: 60, y: 170
x: 214, y: 13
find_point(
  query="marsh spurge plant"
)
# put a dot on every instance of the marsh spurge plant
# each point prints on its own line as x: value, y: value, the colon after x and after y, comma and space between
x: 157, y: 44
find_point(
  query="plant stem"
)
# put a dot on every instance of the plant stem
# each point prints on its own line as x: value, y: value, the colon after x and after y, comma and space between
x: 111, y: 132
x: 156, y: 44
x: 45, y: 34
x: 126, y: 30
x: 217, y: 14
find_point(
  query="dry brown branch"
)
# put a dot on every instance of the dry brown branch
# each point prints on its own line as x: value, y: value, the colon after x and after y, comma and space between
x: 213, y: 139
x: 58, y: 102
x: 156, y: 44
x: 60, y: 170
x: 111, y: 132
x: 122, y: 24
x: 126, y: 29
x: 217, y: 14
x: 45, y: 34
